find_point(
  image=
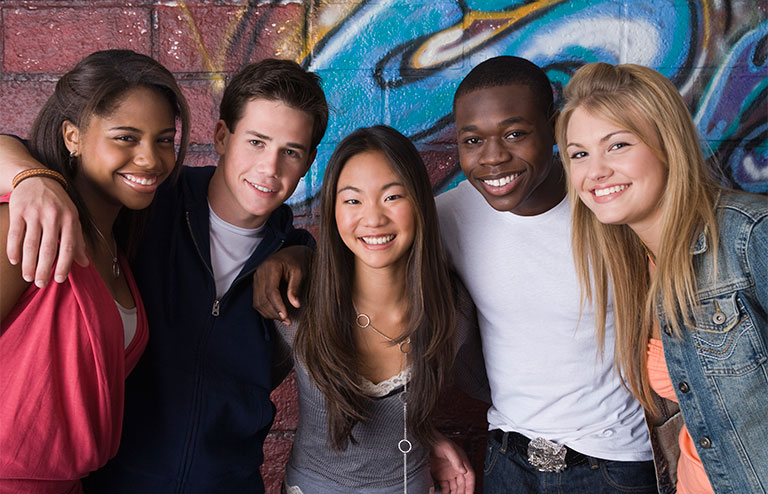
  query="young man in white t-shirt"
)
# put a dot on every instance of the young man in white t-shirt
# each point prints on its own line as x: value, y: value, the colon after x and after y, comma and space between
x: 560, y: 419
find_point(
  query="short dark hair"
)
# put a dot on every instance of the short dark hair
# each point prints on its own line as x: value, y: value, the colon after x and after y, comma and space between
x: 280, y: 80
x: 97, y: 86
x: 507, y: 70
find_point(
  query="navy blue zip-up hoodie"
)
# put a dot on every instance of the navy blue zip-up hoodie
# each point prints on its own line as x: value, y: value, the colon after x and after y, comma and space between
x: 197, y: 407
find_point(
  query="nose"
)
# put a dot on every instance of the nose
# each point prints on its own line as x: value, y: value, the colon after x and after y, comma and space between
x: 374, y: 215
x: 269, y: 163
x: 148, y: 156
x: 494, y: 152
x: 598, y: 170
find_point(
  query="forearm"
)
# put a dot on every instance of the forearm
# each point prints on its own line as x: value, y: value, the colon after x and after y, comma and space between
x: 14, y: 158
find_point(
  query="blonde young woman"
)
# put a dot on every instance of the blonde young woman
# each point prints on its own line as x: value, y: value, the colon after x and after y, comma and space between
x: 688, y: 264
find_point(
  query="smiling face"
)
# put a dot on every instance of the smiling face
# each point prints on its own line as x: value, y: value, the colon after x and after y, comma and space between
x: 261, y: 162
x: 615, y: 173
x: 375, y: 216
x: 505, y: 144
x: 125, y: 155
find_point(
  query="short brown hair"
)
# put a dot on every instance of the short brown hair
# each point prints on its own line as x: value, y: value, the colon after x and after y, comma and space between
x: 274, y: 79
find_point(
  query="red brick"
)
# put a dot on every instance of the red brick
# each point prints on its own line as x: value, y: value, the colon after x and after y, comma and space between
x: 201, y: 156
x: 53, y: 40
x: 277, y: 450
x: 442, y: 163
x: 203, y: 97
x: 285, y: 398
x: 20, y: 102
x: 224, y: 38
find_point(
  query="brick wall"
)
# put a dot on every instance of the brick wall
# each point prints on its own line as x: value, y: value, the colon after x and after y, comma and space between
x: 399, y: 62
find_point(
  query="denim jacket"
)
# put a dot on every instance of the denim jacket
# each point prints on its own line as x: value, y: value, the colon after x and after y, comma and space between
x: 719, y: 365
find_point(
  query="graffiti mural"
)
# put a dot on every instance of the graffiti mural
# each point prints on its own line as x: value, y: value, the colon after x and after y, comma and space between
x: 399, y: 61
x: 413, y: 58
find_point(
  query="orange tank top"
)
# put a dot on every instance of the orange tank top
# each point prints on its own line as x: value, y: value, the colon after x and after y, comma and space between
x: 691, y: 477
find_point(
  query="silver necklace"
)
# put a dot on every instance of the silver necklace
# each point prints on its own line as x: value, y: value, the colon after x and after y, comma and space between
x: 404, y: 445
x: 115, y: 263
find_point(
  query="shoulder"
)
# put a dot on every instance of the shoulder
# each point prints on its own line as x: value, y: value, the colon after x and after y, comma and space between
x: 288, y: 331
x: 750, y: 207
x: 460, y: 203
x: 743, y: 219
x: 456, y: 196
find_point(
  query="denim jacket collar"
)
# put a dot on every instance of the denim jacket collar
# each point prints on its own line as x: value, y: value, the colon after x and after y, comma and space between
x: 699, y: 246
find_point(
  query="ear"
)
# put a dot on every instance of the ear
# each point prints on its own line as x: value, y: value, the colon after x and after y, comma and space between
x: 310, y: 159
x: 71, y: 135
x: 221, y: 135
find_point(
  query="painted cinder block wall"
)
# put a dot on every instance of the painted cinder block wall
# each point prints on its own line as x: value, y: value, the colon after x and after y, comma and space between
x: 398, y: 62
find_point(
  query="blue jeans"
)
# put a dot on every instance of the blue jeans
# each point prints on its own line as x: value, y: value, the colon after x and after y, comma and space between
x: 507, y: 471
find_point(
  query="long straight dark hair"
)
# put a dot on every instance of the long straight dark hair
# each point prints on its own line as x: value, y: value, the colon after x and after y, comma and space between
x: 95, y: 87
x: 325, y: 342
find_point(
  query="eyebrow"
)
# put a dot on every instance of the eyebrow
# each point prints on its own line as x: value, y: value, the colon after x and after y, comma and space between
x: 383, y: 187
x: 128, y: 128
x: 603, y: 139
x: 508, y: 121
x: 263, y: 137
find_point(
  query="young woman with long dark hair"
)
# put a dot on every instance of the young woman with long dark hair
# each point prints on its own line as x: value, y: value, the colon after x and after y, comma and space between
x: 109, y: 134
x: 381, y: 327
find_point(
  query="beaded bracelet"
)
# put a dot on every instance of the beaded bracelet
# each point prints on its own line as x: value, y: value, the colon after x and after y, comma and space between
x: 39, y: 172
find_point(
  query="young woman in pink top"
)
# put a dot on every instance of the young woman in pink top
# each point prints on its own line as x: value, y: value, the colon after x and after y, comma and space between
x: 687, y: 263
x: 109, y: 133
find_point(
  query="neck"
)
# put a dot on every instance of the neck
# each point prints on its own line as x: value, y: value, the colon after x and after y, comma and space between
x: 649, y: 232
x: 104, y: 222
x: 103, y: 212
x: 376, y: 288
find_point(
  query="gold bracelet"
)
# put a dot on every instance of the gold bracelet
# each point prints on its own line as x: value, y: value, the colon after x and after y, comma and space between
x: 39, y: 172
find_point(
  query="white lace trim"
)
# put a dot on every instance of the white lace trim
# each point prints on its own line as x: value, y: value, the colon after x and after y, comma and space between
x: 386, y: 386
x: 292, y: 489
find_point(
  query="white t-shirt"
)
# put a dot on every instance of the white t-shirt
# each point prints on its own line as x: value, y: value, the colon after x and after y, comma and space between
x: 546, y: 374
x: 231, y: 247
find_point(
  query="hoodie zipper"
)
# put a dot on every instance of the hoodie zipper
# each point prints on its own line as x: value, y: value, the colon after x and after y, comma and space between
x: 215, y: 311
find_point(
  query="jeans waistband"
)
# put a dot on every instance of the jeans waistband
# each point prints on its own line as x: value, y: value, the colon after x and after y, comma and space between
x: 517, y: 441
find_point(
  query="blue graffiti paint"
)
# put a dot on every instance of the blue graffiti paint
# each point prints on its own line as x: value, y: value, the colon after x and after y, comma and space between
x: 732, y: 114
x: 399, y: 63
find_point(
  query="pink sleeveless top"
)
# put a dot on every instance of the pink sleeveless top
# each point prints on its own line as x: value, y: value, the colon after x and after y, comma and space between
x: 691, y: 477
x: 62, y: 377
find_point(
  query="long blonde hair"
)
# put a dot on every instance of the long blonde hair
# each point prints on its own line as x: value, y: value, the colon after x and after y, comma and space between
x: 637, y: 98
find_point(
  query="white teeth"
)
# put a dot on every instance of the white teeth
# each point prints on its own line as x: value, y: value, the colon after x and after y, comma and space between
x: 378, y: 240
x: 501, y: 181
x: 141, y: 180
x: 610, y: 190
x: 260, y: 187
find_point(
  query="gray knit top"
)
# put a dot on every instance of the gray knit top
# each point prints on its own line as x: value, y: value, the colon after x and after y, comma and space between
x: 374, y: 465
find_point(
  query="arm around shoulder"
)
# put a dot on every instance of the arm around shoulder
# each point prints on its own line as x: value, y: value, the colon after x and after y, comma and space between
x: 43, y: 221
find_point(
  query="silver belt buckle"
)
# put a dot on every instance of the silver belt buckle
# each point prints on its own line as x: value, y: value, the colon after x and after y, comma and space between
x: 546, y: 456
